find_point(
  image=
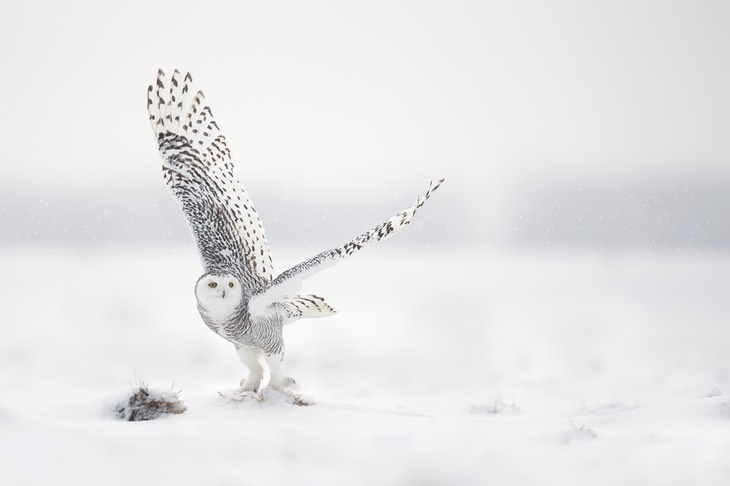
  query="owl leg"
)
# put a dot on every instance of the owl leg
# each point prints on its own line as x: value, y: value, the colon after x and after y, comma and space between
x: 279, y: 381
x: 251, y: 358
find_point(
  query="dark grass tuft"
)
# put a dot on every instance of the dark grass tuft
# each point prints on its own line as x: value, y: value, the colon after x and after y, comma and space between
x: 301, y: 402
x: 145, y: 404
x: 494, y: 406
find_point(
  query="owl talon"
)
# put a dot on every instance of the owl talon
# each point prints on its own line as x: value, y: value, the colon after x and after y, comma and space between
x: 250, y: 386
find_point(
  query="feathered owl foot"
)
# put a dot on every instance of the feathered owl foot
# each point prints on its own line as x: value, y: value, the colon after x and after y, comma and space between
x: 250, y: 384
x: 282, y: 384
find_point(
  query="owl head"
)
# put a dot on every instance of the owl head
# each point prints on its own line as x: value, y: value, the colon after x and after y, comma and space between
x: 218, y: 294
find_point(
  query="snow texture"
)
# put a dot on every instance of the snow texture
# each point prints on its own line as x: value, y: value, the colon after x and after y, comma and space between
x: 549, y: 368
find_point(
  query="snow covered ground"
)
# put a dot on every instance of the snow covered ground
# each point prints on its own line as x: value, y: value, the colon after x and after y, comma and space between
x: 442, y: 367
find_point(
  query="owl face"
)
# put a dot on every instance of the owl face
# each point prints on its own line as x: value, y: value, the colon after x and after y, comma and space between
x: 219, y: 295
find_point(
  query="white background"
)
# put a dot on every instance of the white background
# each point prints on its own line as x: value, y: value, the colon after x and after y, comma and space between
x: 556, y: 313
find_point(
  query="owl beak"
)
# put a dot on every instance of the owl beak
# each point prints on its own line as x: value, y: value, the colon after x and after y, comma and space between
x: 224, y: 294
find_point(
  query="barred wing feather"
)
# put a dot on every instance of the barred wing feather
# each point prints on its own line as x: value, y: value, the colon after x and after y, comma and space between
x: 198, y: 171
x: 289, y: 283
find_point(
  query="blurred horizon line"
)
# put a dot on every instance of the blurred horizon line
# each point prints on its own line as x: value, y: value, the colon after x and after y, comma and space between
x: 688, y: 211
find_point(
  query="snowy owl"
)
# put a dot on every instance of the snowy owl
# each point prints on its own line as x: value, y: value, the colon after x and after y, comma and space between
x: 239, y: 297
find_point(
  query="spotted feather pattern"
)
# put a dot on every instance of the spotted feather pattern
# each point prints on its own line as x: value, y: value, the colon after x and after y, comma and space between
x: 199, y: 172
x: 289, y: 282
x: 304, y: 306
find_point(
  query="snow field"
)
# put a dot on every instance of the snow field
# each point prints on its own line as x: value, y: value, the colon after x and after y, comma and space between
x: 441, y: 367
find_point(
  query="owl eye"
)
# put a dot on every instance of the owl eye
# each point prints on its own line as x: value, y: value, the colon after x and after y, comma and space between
x: 230, y: 284
x: 213, y: 285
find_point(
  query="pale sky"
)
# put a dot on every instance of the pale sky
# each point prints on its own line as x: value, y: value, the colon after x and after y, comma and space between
x: 335, y: 97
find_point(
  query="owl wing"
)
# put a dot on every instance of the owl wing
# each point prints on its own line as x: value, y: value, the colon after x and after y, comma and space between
x: 303, y: 306
x: 289, y: 283
x: 198, y: 171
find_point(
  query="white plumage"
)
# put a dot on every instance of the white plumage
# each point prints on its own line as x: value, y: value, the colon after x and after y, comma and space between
x: 238, y: 296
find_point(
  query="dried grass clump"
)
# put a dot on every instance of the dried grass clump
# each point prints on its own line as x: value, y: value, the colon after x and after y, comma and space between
x: 145, y: 404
